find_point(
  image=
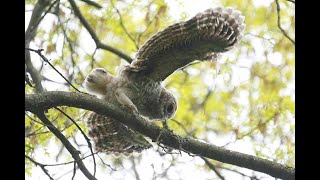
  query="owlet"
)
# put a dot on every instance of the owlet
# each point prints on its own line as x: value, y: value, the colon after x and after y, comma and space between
x: 137, y: 87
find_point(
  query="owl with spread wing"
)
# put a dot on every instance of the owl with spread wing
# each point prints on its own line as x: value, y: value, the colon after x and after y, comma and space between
x: 137, y: 87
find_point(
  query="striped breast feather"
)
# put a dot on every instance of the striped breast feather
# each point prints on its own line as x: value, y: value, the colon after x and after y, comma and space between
x: 206, y: 34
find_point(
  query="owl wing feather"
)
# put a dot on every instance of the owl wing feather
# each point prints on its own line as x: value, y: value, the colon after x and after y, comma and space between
x: 202, y: 38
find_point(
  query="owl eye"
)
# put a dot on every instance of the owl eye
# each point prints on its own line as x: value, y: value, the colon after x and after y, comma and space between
x: 170, y: 109
x: 101, y: 71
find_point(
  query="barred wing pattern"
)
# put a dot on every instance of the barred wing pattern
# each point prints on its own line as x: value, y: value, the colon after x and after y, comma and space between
x: 202, y: 37
x: 110, y: 136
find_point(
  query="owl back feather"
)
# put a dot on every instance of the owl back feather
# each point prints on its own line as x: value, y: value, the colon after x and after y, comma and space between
x: 202, y: 37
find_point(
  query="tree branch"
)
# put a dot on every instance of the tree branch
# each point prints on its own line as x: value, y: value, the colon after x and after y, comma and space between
x: 47, y: 61
x: 213, y: 168
x: 94, y: 36
x: 35, y: 19
x: 84, y: 135
x: 279, y: 23
x: 92, y: 3
x: 123, y: 26
x: 42, y: 166
x: 46, y: 100
x: 67, y: 144
x: 134, y: 168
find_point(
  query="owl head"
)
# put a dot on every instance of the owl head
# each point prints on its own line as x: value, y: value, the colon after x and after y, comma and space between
x: 96, y: 81
x: 168, y: 105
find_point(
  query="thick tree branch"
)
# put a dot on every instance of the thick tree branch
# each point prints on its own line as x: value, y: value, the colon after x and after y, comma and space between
x: 67, y: 144
x: 46, y: 100
x: 94, y: 36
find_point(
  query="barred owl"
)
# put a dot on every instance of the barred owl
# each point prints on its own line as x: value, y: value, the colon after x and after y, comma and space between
x: 138, y: 89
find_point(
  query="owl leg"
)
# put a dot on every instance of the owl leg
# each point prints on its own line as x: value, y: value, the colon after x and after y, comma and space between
x: 125, y: 101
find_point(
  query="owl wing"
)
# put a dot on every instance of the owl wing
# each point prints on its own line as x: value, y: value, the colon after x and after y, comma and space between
x: 110, y: 136
x: 202, y: 38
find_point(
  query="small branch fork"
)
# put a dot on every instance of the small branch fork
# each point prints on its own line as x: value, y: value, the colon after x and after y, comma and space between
x: 279, y: 23
x: 47, y: 61
x: 75, y: 153
x: 94, y: 36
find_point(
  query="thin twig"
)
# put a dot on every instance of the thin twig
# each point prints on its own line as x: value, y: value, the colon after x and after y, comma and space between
x: 44, y: 132
x: 94, y: 35
x: 64, y: 174
x: 47, y: 61
x: 266, y: 39
x: 291, y: 1
x: 148, y: 25
x: 36, y: 18
x: 279, y: 23
x: 70, y: 46
x: 74, y: 170
x: 105, y: 163
x: 93, y: 60
x: 232, y: 170
x: 212, y: 167
x: 92, y: 3
x: 46, y: 12
x: 32, y: 119
x: 181, y: 125
x: 50, y: 80
x: 84, y: 135
x: 65, y: 163
x: 123, y: 27
x: 134, y: 168
x: 42, y: 166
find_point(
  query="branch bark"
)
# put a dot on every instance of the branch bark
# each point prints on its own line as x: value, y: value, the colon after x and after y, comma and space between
x: 40, y: 102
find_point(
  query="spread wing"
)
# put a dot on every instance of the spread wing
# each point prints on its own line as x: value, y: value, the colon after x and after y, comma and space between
x: 202, y: 37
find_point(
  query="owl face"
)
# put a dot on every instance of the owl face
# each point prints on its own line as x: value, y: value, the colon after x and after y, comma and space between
x: 97, y: 80
x: 168, y: 105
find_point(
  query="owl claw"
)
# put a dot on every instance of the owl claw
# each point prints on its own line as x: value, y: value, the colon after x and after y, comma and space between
x: 132, y: 108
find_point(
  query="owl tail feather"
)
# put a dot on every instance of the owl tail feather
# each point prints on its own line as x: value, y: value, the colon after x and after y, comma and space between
x: 112, y: 137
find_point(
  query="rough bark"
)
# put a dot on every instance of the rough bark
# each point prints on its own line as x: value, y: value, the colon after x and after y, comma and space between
x: 40, y: 102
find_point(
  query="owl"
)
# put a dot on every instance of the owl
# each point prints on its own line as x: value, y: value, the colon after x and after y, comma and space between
x: 137, y: 87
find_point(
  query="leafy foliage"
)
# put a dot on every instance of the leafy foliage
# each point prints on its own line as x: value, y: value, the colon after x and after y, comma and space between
x: 245, y: 100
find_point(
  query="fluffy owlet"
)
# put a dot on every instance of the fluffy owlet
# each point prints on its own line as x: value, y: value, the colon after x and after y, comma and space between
x: 137, y: 87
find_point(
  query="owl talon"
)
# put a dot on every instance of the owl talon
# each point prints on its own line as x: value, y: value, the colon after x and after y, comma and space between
x: 126, y: 102
x: 132, y: 108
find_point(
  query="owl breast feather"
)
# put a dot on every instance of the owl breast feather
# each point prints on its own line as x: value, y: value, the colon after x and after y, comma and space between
x: 144, y: 93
